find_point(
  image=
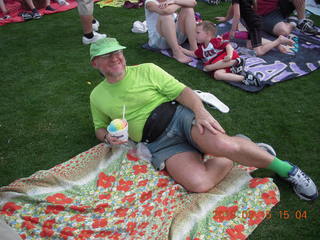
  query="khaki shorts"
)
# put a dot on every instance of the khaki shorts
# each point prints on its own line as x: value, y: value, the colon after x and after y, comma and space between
x: 85, y: 7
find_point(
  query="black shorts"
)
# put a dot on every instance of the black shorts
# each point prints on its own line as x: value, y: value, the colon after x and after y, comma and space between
x: 255, y: 37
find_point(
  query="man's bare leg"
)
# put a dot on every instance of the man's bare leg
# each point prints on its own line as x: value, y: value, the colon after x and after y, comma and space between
x: 187, y: 24
x: 167, y: 28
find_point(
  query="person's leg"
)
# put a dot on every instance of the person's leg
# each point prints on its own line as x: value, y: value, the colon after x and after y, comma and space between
x: 300, y: 7
x: 30, y: 4
x: 221, y: 74
x: 187, y: 24
x: 236, y: 149
x: 85, y: 10
x: 219, y: 65
x: 3, y: 8
x: 189, y: 170
x: 167, y: 29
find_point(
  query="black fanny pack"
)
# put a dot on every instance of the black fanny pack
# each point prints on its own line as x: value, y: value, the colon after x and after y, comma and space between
x: 158, y: 121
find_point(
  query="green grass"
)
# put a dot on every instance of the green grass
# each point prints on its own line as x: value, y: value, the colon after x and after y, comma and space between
x: 45, y: 117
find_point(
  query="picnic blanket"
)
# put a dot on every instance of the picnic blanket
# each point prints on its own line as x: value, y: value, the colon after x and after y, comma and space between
x: 112, y: 194
x: 273, y: 67
x: 16, y: 7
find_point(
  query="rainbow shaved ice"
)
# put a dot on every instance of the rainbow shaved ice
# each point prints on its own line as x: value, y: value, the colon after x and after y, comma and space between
x: 117, y: 125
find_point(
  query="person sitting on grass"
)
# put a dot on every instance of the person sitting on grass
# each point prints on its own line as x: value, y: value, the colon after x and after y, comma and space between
x: 245, y: 10
x: 219, y: 56
x: 167, y: 32
x: 176, y: 134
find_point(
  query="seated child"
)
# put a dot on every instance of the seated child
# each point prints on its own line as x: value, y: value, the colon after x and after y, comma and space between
x: 219, y: 56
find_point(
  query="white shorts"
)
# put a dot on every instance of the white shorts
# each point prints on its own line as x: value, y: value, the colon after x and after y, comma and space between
x: 157, y: 41
x: 85, y: 7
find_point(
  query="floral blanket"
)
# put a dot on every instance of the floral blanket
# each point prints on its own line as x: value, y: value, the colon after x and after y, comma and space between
x: 112, y: 194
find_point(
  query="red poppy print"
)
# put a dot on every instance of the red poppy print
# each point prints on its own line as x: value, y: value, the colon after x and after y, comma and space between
x: 147, y: 210
x: 103, y: 234
x: 104, y: 196
x: 86, y: 234
x: 134, y: 214
x: 257, y: 181
x: 55, y: 209
x: 143, y: 225
x: 223, y: 213
x: 163, y: 182
x: 255, y: 217
x: 99, y: 223
x: 124, y: 185
x: 158, y: 213
x: 139, y: 169
x: 129, y: 198
x: 23, y: 236
x: 79, y: 208
x: 31, y: 219
x: 132, y: 158
x: 270, y: 197
x: 78, y: 218
x: 67, y: 232
x: 28, y: 225
x: 236, y: 232
x: 145, y: 196
x: 105, y: 181
x: 101, y: 208
x: 9, y: 208
x: 46, y: 232
x: 143, y: 183
x: 121, y: 212
x: 131, y: 226
x: 155, y: 227
x: 59, y: 198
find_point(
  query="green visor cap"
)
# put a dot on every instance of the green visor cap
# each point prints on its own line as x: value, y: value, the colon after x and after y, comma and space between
x: 104, y: 46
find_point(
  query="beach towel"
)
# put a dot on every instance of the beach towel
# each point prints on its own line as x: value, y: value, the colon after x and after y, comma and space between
x: 16, y: 8
x: 273, y: 67
x: 108, y: 193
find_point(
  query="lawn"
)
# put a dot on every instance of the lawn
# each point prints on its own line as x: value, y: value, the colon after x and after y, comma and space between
x: 45, y: 117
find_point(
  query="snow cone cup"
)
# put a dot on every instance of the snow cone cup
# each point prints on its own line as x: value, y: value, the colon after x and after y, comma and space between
x: 119, y: 130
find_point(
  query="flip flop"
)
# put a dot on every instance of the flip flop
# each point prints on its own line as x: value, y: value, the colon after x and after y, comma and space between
x: 212, y: 100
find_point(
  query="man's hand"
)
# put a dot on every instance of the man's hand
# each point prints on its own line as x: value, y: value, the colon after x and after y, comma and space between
x: 165, y: 4
x: 112, y: 140
x: 205, y: 120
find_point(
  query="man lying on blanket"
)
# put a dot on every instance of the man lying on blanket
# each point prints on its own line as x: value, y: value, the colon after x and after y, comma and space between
x: 176, y: 134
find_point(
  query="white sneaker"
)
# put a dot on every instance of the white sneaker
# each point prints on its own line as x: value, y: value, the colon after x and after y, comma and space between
x: 303, y: 185
x: 95, y: 26
x: 96, y: 36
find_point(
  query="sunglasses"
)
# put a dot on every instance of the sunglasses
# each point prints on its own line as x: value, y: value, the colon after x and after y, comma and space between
x: 109, y: 55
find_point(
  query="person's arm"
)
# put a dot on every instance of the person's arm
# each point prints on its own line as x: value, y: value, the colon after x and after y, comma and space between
x: 203, y: 118
x: 235, y: 19
x: 229, y: 50
x: 163, y: 8
x: 227, y: 17
x: 103, y: 135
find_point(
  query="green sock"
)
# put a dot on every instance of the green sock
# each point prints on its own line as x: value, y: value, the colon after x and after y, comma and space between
x: 280, y: 167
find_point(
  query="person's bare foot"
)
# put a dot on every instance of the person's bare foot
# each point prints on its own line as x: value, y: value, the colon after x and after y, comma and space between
x: 285, y: 41
x: 180, y: 57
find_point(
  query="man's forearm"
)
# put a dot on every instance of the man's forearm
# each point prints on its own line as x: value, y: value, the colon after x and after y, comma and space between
x: 185, y: 3
x: 189, y: 99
